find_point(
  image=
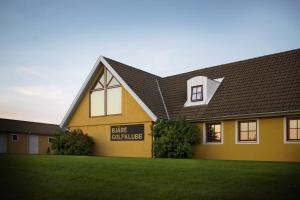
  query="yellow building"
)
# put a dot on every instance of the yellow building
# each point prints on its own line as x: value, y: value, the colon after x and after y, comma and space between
x: 23, y: 137
x: 247, y: 110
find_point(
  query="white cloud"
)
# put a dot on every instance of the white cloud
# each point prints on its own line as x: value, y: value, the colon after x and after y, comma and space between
x: 31, y: 72
x: 40, y: 91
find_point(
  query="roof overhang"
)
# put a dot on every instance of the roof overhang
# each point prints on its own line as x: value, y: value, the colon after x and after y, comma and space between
x: 247, y: 116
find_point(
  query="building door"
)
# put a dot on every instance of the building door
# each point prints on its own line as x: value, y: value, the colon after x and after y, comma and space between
x: 3, y: 143
x: 33, y: 144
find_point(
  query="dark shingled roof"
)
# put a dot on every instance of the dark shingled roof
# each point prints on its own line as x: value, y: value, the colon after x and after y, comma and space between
x: 266, y: 84
x: 143, y: 84
x: 17, y: 126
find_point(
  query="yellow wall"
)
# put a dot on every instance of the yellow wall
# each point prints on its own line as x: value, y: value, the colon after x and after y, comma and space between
x: 271, y: 145
x: 17, y: 147
x: 21, y: 146
x: 99, y: 128
x: 43, y: 144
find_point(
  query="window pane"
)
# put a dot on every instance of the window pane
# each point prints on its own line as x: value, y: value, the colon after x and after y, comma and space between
x: 194, y: 97
x: 113, y: 82
x: 293, y: 134
x: 252, y: 126
x: 211, y: 136
x: 194, y: 90
x: 298, y: 134
x: 218, y: 136
x: 98, y: 86
x: 114, y: 100
x: 102, y: 79
x: 293, y: 123
x: 198, y: 96
x: 243, y: 135
x: 97, y: 103
x: 209, y: 133
x: 108, y: 75
x: 298, y: 123
x: 217, y: 127
x: 252, y: 135
x: 243, y: 126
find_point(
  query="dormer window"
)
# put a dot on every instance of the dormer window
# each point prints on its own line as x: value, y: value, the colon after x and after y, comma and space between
x: 197, y: 93
x: 200, y: 90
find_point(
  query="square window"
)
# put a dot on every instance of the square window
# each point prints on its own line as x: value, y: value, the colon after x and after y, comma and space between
x: 213, y: 133
x: 197, y: 93
x: 15, y: 137
x: 50, y: 139
x: 247, y: 131
x: 293, y: 129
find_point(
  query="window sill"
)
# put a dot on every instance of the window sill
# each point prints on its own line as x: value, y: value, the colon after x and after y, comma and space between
x: 105, y: 115
x: 212, y: 143
x: 247, y: 142
x: 291, y: 142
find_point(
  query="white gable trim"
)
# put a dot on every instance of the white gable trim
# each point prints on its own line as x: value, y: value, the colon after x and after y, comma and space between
x: 81, y: 92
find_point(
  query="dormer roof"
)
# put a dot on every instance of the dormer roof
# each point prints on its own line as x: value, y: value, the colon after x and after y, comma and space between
x: 263, y: 86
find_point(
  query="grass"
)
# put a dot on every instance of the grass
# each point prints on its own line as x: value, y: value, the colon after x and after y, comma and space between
x: 83, y: 177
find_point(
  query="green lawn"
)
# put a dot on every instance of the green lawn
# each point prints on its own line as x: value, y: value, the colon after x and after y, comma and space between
x: 82, y: 177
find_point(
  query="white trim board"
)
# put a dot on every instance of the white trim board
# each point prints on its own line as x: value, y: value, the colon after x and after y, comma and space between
x: 88, y: 80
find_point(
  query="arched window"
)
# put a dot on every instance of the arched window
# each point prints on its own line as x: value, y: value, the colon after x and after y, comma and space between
x: 106, y: 95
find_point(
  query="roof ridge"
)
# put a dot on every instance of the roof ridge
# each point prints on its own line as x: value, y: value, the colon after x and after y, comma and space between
x: 236, y: 62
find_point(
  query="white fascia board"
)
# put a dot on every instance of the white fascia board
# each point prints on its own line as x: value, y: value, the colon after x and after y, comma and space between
x: 77, y: 99
x: 131, y: 92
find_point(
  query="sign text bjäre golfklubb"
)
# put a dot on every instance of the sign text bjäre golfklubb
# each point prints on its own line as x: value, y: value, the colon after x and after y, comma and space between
x: 127, y: 132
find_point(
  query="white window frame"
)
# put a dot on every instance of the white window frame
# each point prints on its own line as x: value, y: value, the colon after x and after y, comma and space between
x: 285, y: 141
x: 49, y: 139
x: 12, y: 138
x: 213, y: 143
x: 237, y: 132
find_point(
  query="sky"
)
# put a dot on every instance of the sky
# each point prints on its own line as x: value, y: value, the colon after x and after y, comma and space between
x: 48, y: 47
